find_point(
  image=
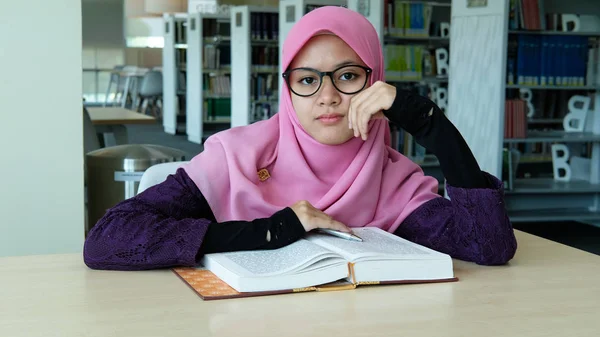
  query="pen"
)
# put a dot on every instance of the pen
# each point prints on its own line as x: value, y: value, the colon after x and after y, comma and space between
x: 343, y: 235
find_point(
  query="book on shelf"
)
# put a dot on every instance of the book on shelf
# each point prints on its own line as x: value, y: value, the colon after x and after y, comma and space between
x: 264, y: 26
x: 407, y: 18
x: 216, y: 85
x: 264, y: 82
x: 535, y: 15
x: 180, y: 32
x: 217, y: 109
x: 410, y: 63
x: 263, y: 109
x: 515, y: 118
x: 215, y: 28
x: 181, y: 57
x: 216, y: 56
x: 552, y: 60
x: 527, y: 14
x: 264, y: 57
x: 318, y: 262
x: 403, y: 62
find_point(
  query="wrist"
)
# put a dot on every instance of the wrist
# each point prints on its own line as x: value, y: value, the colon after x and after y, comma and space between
x: 286, y: 225
x: 411, y: 112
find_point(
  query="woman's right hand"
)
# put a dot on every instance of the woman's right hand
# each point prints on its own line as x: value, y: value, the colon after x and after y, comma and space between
x: 312, y: 218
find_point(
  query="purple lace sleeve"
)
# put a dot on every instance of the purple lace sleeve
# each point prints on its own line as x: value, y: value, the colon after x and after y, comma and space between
x: 471, y: 226
x: 163, y: 226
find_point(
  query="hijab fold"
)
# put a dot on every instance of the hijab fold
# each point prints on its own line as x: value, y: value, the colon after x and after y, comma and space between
x: 254, y: 171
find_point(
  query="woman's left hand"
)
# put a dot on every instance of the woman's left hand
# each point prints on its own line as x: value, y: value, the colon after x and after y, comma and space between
x: 369, y: 104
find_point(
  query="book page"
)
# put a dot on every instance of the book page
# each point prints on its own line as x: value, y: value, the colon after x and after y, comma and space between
x: 376, y: 243
x: 291, y: 258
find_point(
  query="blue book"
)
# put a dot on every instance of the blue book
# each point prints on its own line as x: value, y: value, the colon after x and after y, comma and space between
x: 551, y: 62
x: 527, y: 49
x: 537, y: 47
x: 583, y: 54
x: 521, y: 60
x: 544, y: 61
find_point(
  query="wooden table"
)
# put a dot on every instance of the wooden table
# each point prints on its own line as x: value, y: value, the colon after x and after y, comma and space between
x: 547, y: 290
x: 118, y: 116
x: 112, y: 120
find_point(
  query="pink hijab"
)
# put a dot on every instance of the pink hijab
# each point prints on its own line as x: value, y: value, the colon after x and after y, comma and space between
x: 360, y: 183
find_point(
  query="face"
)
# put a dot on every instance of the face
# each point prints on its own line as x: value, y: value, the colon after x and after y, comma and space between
x: 324, y: 115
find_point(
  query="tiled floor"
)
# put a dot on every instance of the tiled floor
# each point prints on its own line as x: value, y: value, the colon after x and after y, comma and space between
x: 574, y: 234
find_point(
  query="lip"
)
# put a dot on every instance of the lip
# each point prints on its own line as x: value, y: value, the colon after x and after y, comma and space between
x: 330, y: 118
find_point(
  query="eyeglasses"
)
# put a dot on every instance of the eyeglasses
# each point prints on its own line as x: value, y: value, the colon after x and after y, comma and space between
x: 306, y: 82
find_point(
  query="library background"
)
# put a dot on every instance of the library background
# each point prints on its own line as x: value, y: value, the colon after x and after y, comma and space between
x: 524, y: 91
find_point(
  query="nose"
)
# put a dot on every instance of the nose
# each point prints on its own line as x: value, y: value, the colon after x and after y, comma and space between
x: 328, y: 94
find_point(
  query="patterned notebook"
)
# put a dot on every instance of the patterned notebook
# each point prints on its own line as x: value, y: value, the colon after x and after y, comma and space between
x: 209, y: 287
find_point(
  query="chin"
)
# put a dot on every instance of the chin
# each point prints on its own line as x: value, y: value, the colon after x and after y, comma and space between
x: 329, y: 138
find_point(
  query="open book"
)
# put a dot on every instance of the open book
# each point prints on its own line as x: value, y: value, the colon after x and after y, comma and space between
x: 318, y: 262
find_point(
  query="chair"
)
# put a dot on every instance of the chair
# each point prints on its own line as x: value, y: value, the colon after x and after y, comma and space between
x: 91, y: 141
x: 151, y: 90
x: 157, y: 174
x: 115, y: 79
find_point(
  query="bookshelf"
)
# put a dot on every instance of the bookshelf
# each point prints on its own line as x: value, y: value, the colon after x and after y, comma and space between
x: 174, y: 55
x: 208, y: 89
x: 533, y: 116
x: 254, y: 59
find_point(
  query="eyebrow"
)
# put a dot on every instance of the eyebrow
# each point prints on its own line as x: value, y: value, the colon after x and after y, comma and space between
x: 341, y: 64
x: 345, y: 63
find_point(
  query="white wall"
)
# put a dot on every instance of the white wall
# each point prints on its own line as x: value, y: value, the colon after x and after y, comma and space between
x: 477, y: 73
x: 103, y: 44
x: 102, y: 23
x: 41, y: 142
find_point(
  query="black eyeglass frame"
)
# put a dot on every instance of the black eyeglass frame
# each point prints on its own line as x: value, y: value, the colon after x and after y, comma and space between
x: 286, y: 76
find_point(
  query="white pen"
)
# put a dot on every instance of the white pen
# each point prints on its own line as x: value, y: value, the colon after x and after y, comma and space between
x: 343, y: 235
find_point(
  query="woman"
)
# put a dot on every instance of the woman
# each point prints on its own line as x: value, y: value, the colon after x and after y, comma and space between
x: 323, y: 161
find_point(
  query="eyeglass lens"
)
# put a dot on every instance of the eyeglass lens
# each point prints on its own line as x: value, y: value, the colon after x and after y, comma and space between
x: 348, y: 80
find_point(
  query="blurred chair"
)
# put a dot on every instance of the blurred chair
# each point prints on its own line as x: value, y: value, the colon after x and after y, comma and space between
x: 126, y: 82
x: 157, y: 174
x: 114, y: 80
x: 91, y: 141
x: 132, y: 76
x: 150, y: 92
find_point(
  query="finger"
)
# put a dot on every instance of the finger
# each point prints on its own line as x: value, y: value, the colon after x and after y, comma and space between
x: 354, y: 111
x: 350, y: 115
x: 368, y: 106
x: 369, y: 109
x: 356, y: 117
x: 334, y: 224
x: 354, y: 114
